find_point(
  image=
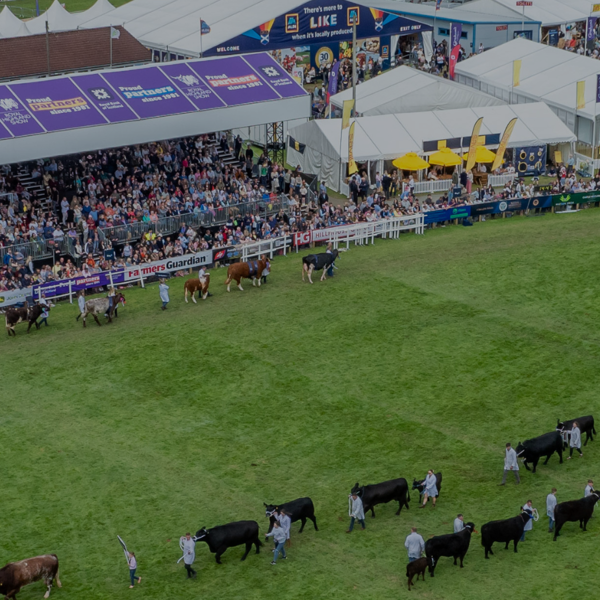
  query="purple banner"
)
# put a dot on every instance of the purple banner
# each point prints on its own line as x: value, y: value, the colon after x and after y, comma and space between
x: 274, y: 74
x: 598, y: 89
x: 15, y: 117
x: 234, y: 81
x: 104, y: 98
x: 591, y: 28
x: 333, y: 80
x: 195, y: 90
x: 149, y: 92
x: 57, y: 104
x: 76, y: 284
x: 455, y: 35
x: 4, y: 133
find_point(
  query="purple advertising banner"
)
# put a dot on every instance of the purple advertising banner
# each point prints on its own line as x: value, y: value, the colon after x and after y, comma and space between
x: 3, y: 132
x: 598, y: 89
x: 76, y: 284
x: 234, y: 81
x: 15, y: 117
x: 275, y: 74
x: 149, y: 92
x: 57, y: 104
x: 104, y: 98
x: 195, y: 90
x: 591, y: 28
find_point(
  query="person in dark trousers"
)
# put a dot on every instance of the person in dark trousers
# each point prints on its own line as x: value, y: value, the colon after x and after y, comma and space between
x: 279, y: 536
x: 575, y: 440
x: 81, y: 303
x: 132, y: 569
x: 45, y: 310
x: 510, y: 464
x: 188, y: 545
x: 356, y: 512
x: 329, y: 250
x: 163, y: 290
x: 551, y: 503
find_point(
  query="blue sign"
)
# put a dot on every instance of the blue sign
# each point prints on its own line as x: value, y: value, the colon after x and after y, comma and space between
x: 447, y: 214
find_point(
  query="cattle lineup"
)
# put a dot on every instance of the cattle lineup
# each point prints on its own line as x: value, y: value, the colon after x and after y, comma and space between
x: 363, y: 499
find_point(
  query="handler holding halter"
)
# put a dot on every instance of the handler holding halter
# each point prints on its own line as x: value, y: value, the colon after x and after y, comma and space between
x: 188, y: 547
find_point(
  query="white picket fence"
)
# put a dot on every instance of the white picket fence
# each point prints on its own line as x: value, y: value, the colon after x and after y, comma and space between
x: 501, y: 180
x: 433, y: 186
x: 265, y: 247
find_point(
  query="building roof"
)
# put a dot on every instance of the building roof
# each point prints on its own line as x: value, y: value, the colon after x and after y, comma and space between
x: 69, y: 51
x: 406, y: 90
x: 549, y: 12
x: 547, y: 73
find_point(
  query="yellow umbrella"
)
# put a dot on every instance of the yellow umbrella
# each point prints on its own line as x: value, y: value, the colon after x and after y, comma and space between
x: 482, y: 155
x: 410, y: 162
x: 445, y: 157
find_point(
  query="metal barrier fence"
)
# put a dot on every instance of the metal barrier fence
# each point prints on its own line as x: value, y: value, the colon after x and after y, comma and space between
x: 500, y: 180
x: 432, y: 186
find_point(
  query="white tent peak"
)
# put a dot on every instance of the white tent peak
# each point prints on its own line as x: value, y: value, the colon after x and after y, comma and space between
x: 99, y: 8
x: 58, y: 18
x: 9, y: 23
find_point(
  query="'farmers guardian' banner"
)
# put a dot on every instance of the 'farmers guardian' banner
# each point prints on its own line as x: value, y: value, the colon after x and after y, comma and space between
x: 168, y: 265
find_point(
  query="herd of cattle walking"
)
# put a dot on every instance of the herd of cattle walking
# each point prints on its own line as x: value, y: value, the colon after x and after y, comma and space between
x: 364, y: 498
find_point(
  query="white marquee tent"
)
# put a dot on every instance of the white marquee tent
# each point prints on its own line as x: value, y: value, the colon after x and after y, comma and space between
x: 547, y: 74
x: 551, y: 13
x: 11, y: 25
x: 404, y: 90
x: 386, y: 137
x: 58, y: 18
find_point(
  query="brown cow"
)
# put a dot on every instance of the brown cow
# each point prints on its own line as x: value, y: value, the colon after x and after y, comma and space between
x: 199, y: 285
x: 14, y: 316
x: 253, y: 269
x: 16, y: 575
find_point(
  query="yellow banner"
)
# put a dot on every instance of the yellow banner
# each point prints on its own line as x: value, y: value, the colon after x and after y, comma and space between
x: 557, y: 157
x: 347, y: 113
x: 70, y: 103
x: 473, y: 145
x: 352, y: 168
x: 503, y: 143
x: 580, y: 94
x: 595, y: 7
x: 516, y: 73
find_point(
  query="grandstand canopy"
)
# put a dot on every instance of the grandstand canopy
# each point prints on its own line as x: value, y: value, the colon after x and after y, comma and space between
x: 250, y: 25
x: 405, y: 89
x: 387, y: 137
x: 119, y: 107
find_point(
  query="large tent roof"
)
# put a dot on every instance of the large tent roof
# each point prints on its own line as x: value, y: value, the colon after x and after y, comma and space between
x: 405, y: 89
x: 11, y: 25
x: 547, y: 73
x: 549, y: 12
x: 119, y: 107
x: 390, y: 136
x: 58, y: 18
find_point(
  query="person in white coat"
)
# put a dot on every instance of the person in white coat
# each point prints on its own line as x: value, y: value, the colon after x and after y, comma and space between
x: 528, y: 507
x: 356, y: 512
x: 188, y: 546
x: 459, y: 523
x: 575, y: 440
x: 278, y: 534
x: 589, y: 488
x: 81, y: 303
x: 163, y: 290
x: 551, y: 503
x: 431, y: 490
x: 510, y: 464
x: 414, y: 544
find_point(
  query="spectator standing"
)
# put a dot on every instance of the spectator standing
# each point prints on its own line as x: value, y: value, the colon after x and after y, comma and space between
x: 551, y: 503
x: 414, y: 544
x: 510, y: 464
x: 132, y: 569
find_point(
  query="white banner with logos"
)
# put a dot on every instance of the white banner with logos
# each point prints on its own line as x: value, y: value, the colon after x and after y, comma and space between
x: 11, y: 297
x: 188, y: 261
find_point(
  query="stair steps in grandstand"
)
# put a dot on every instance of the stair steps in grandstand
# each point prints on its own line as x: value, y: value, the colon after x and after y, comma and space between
x: 34, y: 188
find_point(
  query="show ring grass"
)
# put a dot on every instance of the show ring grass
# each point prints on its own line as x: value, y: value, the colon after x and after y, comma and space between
x: 425, y: 352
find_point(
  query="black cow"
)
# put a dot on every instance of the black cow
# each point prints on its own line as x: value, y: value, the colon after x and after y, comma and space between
x: 227, y: 536
x: 454, y: 545
x: 316, y: 262
x: 508, y: 530
x: 420, y: 485
x: 297, y: 510
x: 382, y: 493
x: 14, y: 316
x: 417, y: 567
x: 544, y: 445
x: 585, y: 424
x: 575, y: 510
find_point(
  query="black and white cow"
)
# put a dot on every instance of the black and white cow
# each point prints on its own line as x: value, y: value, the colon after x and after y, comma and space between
x: 14, y: 316
x: 297, y: 510
x: 382, y: 493
x: 227, y: 536
x: 544, y: 445
x: 505, y: 531
x: 316, y: 262
x: 575, y: 510
x: 585, y: 424
x: 454, y: 545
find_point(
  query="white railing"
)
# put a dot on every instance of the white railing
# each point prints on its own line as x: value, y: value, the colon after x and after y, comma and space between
x: 501, y: 180
x: 432, y: 186
x: 265, y: 247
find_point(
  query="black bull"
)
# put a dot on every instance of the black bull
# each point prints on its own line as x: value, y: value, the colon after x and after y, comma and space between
x: 227, y: 536
x: 505, y: 531
x: 454, y: 545
x: 585, y: 424
x: 544, y: 445
x: 297, y: 510
x: 575, y: 510
x: 382, y: 493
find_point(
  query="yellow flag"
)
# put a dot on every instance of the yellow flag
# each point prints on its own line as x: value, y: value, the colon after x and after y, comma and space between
x: 473, y: 145
x: 516, y: 72
x: 347, y: 111
x: 595, y: 7
x: 503, y: 143
x: 580, y: 94
x: 352, y: 168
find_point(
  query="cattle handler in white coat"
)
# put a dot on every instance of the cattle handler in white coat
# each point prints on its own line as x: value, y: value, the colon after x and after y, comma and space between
x: 415, y: 545
x: 459, y: 523
x: 431, y: 490
x: 188, y: 546
x: 357, y: 512
x: 510, y: 464
x: 163, y: 289
x: 551, y: 503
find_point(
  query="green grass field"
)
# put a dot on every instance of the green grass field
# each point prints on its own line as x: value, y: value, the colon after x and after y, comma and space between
x: 425, y: 352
